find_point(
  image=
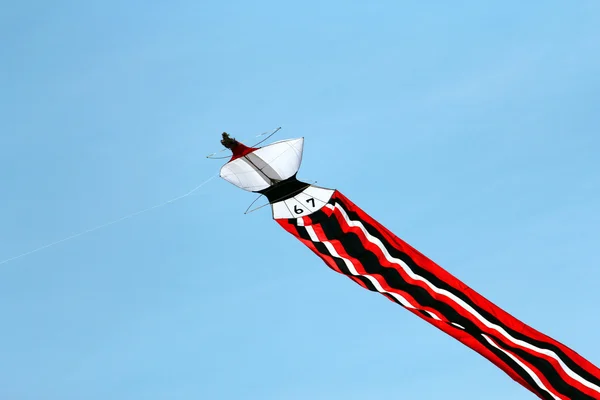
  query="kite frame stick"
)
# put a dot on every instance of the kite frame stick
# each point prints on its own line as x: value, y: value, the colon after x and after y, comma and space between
x: 269, y: 133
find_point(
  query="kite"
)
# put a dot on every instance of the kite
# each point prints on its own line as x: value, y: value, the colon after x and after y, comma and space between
x: 354, y: 244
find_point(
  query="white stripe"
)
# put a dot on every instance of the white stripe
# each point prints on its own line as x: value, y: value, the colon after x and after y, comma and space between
x: 463, y: 304
x: 433, y: 315
x: 312, y: 234
x: 333, y: 252
x: 353, y: 271
x: 525, y: 367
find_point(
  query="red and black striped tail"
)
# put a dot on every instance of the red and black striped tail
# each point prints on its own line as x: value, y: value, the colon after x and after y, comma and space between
x: 354, y: 244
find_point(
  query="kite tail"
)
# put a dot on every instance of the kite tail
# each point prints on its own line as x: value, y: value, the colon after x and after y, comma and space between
x: 354, y: 244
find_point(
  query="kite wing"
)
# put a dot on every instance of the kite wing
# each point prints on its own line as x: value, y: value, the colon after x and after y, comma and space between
x: 258, y: 169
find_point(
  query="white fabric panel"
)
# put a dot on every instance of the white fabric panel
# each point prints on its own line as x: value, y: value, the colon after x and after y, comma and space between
x: 284, y: 157
x: 263, y: 167
x: 242, y: 175
x: 311, y: 199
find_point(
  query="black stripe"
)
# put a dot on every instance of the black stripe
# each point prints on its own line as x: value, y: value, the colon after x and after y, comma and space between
x: 369, y: 260
x: 546, y: 369
x: 283, y: 190
x: 443, y: 285
x: 355, y: 249
x: 320, y: 247
x: 517, y: 368
x: 352, y: 243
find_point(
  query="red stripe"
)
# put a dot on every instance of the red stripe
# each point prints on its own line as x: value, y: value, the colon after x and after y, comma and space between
x: 537, y: 372
x: 457, y: 333
x: 505, y: 318
x: 454, y: 332
x: 475, y: 297
x: 475, y: 345
x: 458, y: 286
x: 329, y: 261
x: 339, y: 248
x: 457, y: 307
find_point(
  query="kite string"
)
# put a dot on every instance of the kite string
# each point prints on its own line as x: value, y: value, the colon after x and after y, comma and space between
x: 116, y: 221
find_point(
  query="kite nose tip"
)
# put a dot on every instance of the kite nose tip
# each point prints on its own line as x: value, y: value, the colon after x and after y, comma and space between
x: 228, y: 141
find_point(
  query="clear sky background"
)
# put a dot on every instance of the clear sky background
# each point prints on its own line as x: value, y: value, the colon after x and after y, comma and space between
x: 469, y: 129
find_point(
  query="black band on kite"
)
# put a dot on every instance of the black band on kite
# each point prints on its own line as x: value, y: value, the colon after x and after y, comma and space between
x: 283, y: 190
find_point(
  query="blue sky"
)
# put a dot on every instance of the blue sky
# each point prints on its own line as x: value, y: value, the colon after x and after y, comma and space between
x: 469, y: 129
